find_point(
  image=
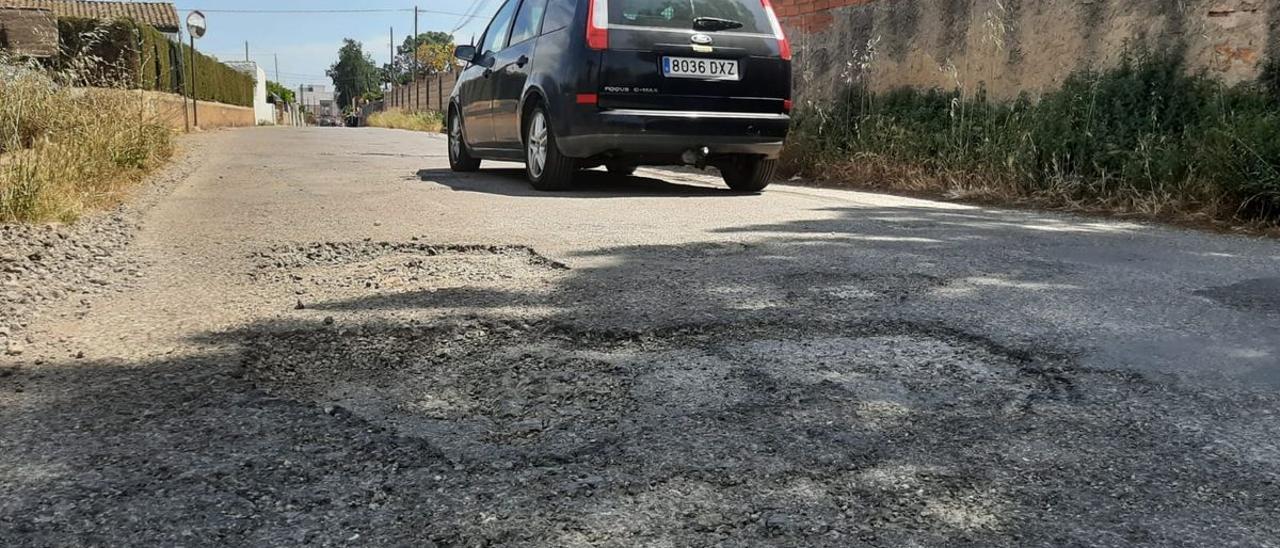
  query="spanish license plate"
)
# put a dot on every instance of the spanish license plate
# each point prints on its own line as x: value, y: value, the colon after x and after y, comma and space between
x: 705, y: 69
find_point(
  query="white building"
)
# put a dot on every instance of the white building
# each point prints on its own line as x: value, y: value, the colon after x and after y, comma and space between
x: 319, y: 101
x: 262, y: 110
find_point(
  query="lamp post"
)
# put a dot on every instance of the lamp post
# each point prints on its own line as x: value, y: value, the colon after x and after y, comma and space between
x: 196, y: 26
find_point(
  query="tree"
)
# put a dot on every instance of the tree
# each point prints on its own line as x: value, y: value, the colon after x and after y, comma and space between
x: 355, y: 73
x: 436, y: 57
x: 285, y: 94
x: 431, y: 46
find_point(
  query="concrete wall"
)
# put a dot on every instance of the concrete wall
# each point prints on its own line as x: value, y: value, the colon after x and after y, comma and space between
x: 1011, y: 46
x: 167, y: 108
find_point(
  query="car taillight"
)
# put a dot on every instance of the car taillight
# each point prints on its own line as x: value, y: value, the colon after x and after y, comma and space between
x: 598, y: 24
x: 784, y: 45
x: 786, y: 106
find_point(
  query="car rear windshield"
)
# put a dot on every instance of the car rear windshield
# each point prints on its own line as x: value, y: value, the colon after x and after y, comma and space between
x: 681, y: 13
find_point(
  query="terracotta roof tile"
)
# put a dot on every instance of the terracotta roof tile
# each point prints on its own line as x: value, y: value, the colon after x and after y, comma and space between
x: 161, y: 15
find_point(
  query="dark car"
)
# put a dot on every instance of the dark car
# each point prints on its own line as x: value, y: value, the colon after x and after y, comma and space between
x: 563, y: 85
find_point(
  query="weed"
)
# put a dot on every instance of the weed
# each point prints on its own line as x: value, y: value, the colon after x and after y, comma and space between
x: 65, y: 150
x: 1147, y: 137
x: 416, y: 121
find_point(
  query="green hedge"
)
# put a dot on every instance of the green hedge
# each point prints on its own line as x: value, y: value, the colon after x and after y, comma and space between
x: 126, y: 53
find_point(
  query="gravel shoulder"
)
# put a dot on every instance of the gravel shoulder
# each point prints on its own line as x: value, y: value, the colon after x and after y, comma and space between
x: 322, y: 337
x: 66, y: 268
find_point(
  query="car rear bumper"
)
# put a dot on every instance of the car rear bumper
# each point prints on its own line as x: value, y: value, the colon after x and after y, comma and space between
x: 662, y: 132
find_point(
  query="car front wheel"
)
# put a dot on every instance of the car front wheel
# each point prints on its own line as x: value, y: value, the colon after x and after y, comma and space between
x: 545, y: 166
x: 460, y: 158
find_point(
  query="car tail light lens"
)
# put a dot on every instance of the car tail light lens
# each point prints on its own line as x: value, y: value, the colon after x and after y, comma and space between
x: 598, y: 24
x: 786, y: 105
x: 784, y: 45
x: 588, y: 99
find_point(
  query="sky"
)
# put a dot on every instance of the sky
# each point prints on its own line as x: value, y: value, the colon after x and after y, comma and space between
x: 307, y: 43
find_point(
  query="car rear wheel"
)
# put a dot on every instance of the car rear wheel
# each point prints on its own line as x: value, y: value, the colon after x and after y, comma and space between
x: 545, y: 166
x: 620, y: 169
x: 748, y: 173
x: 460, y: 158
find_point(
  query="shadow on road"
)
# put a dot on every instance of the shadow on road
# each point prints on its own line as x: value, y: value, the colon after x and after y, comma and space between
x: 798, y: 389
x: 588, y: 184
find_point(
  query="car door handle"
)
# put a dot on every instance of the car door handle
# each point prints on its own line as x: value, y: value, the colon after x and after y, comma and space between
x: 522, y: 61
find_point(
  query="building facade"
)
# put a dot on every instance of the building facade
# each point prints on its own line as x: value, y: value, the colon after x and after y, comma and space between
x: 263, y: 111
x: 318, y: 100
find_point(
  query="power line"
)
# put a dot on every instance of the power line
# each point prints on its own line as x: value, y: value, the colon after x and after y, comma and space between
x: 471, y: 13
x: 332, y: 11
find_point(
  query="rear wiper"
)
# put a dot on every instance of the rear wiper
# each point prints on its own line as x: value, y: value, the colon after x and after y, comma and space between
x: 715, y: 23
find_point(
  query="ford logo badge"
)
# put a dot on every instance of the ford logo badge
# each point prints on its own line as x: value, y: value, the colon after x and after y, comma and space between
x: 700, y: 39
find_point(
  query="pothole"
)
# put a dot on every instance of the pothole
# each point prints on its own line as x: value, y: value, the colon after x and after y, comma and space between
x: 488, y: 388
x: 863, y: 287
x: 773, y: 429
x: 400, y: 270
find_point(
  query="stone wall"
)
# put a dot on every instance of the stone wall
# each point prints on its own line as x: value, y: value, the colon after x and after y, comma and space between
x: 1012, y: 46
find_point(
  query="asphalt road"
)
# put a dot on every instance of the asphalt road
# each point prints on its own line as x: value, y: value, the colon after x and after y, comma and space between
x: 332, y: 339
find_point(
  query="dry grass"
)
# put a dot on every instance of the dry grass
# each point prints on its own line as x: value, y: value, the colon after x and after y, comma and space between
x: 399, y: 119
x: 65, y: 151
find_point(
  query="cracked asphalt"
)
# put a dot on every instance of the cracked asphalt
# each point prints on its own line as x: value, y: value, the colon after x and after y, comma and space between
x: 324, y: 337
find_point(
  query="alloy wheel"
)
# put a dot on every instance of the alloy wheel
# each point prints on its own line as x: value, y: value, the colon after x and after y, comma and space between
x: 537, y: 140
x: 455, y: 137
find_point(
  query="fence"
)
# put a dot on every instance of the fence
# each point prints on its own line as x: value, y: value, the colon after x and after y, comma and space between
x: 429, y: 93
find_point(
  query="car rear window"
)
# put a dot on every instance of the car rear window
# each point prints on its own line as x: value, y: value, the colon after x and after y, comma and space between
x: 680, y: 14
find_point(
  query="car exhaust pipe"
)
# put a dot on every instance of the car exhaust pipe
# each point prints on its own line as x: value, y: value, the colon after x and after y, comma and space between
x: 696, y: 157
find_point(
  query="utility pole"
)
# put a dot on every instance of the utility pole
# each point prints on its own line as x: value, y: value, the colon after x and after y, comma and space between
x: 391, y: 65
x: 415, y: 58
x: 246, y: 50
x: 277, y: 56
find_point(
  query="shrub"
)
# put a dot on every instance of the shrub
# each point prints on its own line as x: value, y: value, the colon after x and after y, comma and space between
x: 1144, y: 136
x: 415, y: 121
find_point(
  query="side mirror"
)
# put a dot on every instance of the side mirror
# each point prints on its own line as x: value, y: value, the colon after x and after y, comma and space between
x: 466, y: 53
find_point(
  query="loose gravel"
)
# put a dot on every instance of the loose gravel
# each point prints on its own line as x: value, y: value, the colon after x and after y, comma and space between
x: 67, y: 267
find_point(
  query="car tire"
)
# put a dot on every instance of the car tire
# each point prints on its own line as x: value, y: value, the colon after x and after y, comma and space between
x: 748, y: 173
x: 620, y: 169
x: 545, y: 166
x: 460, y: 158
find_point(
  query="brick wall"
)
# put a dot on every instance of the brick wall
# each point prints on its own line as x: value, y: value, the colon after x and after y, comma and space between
x: 1014, y: 46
